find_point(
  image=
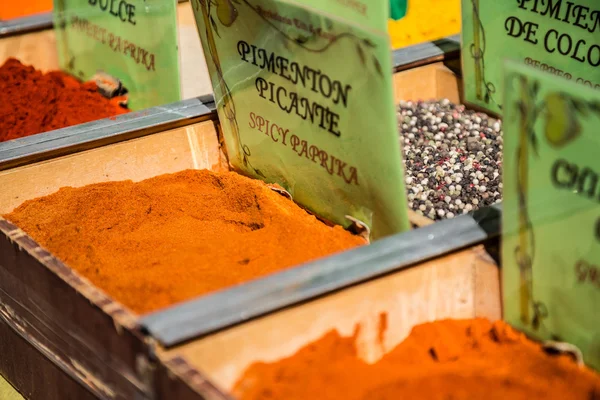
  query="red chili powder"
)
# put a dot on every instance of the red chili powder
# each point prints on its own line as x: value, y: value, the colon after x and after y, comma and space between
x: 33, y: 102
x: 450, y: 359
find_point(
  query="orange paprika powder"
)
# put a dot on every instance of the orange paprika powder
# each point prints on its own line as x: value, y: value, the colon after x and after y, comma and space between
x: 449, y: 359
x: 174, y: 237
x: 17, y: 9
x: 33, y: 102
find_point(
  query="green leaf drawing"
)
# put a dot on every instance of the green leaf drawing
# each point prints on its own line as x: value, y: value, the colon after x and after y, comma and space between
x: 214, y: 26
x: 534, y: 142
x: 377, y: 66
x: 562, y: 126
x: 369, y: 43
x: 361, y: 54
x: 301, y: 39
x: 579, y: 106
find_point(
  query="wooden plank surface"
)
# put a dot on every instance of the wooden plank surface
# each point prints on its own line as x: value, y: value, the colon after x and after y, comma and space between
x: 38, y: 49
x: 45, y: 302
x: 430, y: 82
x: 195, y: 80
x: 462, y: 285
x: 418, y: 219
x: 36, y: 376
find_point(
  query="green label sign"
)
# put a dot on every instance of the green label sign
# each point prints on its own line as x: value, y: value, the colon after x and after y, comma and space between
x: 304, y: 94
x: 134, y: 41
x: 556, y: 36
x: 551, y: 208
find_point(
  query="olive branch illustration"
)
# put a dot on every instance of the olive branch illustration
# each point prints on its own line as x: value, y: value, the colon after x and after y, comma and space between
x: 561, y: 114
x: 477, y: 49
x: 227, y: 13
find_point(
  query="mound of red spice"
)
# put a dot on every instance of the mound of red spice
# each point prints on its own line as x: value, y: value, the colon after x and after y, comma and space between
x: 450, y: 359
x: 33, y: 102
x: 168, y: 239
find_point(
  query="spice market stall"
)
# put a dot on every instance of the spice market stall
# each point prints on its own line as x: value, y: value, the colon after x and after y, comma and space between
x: 142, y: 331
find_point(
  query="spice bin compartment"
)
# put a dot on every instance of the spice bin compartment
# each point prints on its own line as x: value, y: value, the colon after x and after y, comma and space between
x: 79, y: 328
x: 433, y: 81
x: 463, y: 284
x: 452, y: 152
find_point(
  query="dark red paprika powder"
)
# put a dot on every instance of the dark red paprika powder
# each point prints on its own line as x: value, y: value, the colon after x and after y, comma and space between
x: 34, y: 102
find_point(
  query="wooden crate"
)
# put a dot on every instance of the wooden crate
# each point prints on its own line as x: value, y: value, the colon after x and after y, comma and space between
x: 80, y: 328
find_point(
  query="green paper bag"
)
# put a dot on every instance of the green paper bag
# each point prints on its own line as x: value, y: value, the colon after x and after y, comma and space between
x: 556, y: 36
x: 551, y: 209
x: 305, y: 99
x: 134, y: 41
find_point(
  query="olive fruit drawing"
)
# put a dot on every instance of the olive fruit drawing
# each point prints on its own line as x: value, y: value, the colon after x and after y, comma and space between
x: 561, y: 121
x: 226, y: 12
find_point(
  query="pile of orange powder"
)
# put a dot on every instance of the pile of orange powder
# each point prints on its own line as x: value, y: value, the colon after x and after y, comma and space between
x: 174, y: 237
x: 450, y: 359
x: 19, y: 9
